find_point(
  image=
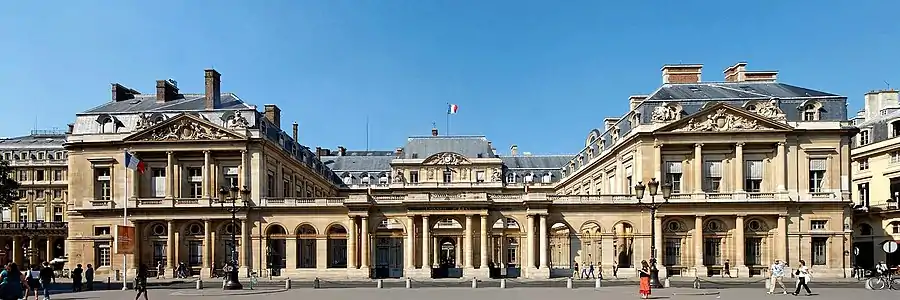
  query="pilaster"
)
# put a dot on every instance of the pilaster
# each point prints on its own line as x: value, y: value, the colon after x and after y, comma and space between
x: 698, y: 168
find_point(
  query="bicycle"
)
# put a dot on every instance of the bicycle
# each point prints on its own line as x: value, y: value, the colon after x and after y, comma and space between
x: 886, y: 280
x: 254, y: 279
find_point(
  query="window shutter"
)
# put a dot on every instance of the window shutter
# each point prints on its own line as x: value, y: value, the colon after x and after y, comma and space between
x: 713, y: 168
x: 673, y: 167
x: 7, y: 214
x: 628, y: 171
x: 39, y: 213
x: 817, y: 164
x: 754, y: 169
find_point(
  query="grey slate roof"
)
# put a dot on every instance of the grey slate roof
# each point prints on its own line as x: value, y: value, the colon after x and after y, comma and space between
x: 35, y: 141
x: 147, y: 103
x: 879, y: 128
x: 733, y: 90
x: 468, y: 146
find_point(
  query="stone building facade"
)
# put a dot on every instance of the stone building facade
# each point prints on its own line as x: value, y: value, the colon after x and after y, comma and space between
x: 876, y: 179
x: 33, y: 229
x: 760, y: 171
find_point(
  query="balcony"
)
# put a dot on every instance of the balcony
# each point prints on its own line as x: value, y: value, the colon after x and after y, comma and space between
x: 457, y: 185
x: 592, y: 199
x: 302, y: 202
x: 17, y: 227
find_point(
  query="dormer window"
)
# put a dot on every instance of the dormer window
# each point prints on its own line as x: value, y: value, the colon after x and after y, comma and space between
x: 546, y: 178
x: 107, y: 124
x: 863, y: 137
x: 529, y: 178
x: 895, y: 129
x: 365, y: 180
x: 383, y: 179
x: 511, y: 178
x: 348, y: 179
x: 811, y: 111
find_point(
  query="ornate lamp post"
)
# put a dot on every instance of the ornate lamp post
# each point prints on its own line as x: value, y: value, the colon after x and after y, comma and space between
x: 233, y: 195
x: 653, y: 187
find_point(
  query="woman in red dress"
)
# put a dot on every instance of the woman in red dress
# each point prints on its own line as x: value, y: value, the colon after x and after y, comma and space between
x: 645, y: 280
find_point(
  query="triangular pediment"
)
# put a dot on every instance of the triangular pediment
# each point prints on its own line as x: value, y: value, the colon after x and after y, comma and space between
x: 184, y: 127
x: 721, y: 117
x: 446, y: 158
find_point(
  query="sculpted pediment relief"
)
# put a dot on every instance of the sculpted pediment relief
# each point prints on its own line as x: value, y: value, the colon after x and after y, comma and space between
x: 446, y: 158
x: 184, y: 128
x: 723, y: 118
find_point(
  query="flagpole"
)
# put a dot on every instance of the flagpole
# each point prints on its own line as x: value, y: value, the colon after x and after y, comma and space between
x: 448, y: 118
x: 125, y: 223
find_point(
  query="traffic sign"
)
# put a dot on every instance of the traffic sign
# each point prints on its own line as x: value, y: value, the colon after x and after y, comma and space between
x: 889, y: 247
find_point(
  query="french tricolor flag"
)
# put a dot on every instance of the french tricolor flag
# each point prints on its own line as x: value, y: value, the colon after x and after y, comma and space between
x: 133, y: 162
x: 452, y: 109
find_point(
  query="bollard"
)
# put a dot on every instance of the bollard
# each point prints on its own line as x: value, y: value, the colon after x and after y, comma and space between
x: 569, y: 283
x: 768, y: 284
x: 109, y: 283
x: 503, y: 283
x: 408, y: 283
x: 666, y: 283
x: 199, y: 284
x: 597, y: 283
x: 474, y: 283
x: 316, y: 283
x: 287, y: 284
x: 380, y: 283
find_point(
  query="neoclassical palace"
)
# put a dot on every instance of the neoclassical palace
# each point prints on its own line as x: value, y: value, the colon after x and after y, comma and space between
x: 759, y: 171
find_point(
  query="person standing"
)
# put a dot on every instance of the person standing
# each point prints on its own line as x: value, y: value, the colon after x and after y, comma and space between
x: 802, y: 278
x: 11, y: 281
x: 591, y: 271
x: 777, y: 274
x: 140, y: 282
x: 726, y: 269
x: 160, y: 270
x: 34, y: 282
x: 76, y: 278
x: 47, y: 278
x: 644, y: 289
x: 89, y: 277
x: 575, y: 272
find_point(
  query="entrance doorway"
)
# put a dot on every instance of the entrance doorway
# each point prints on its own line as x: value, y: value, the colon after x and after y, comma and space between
x: 447, y: 267
x: 389, y: 257
x: 865, y: 258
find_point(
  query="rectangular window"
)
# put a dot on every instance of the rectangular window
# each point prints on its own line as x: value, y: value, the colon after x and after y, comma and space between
x: 895, y: 129
x: 673, y: 252
x: 230, y: 176
x: 479, y: 176
x: 817, y: 175
x: 629, y: 184
x: 23, y: 214
x: 713, y: 174
x: 7, y: 214
x: 159, y: 252
x: 40, y: 195
x: 895, y: 157
x: 102, y: 230
x: 39, y: 175
x: 673, y: 175
x: 448, y: 176
x: 104, y: 254
x: 863, y: 191
x: 57, y: 175
x: 57, y: 214
x: 195, y: 253
x: 158, y: 182
x: 195, y: 182
x: 57, y: 194
x: 753, y: 251
x: 863, y: 137
x: 819, y: 251
x: 23, y: 176
x: 753, y: 176
x: 270, y: 185
x: 818, y: 224
x: 40, y: 214
x: 286, y: 187
x: 611, y: 183
x: 712, y: 251
x: 863, y: 164
x: 413, y: 176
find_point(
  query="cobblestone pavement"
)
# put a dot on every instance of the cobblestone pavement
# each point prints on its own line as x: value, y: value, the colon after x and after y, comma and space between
x: 481, y: 293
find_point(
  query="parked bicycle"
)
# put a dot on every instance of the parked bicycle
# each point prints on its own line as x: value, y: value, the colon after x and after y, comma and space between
x: 889, y: 279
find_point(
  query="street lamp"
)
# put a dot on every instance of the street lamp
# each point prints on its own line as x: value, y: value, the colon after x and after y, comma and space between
x: 653, y: 187
x: 233, y: 195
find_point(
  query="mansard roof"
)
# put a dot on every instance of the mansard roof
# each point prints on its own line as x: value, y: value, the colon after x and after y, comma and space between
x: 186, y: 102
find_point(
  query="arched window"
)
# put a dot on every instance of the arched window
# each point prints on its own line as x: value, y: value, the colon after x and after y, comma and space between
x: 546, y: 178
x: 511, y: 178
x: 529, y: 178
x: 811, y: 111
x: 865, y: 229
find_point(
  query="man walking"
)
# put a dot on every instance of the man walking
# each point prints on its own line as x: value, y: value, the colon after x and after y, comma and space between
x: 777, y: 274
x: 47, y: 278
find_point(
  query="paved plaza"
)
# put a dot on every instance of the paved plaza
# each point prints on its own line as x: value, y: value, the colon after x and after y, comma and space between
x: 481, y: 293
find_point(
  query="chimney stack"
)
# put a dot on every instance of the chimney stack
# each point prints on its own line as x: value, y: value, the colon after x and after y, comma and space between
x: 295, y: 132
x: 609, y: 123
x: 213, y: 98
x: 681, y: 73
x: 635, y: 100
x: 761, y: 76
x: 122, y: 93
x: 399, y: 152
x: 513, y: 150
x: 166, y: 91
x: 318, y: 151
x: 342, y: 151
x: 71, y: 128
x: 273, y: 113
x: 736, y: 72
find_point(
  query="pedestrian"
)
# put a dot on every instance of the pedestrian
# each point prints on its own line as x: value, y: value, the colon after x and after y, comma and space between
x: 644, y: 289
x: 34, y: 282
x: 89, y: 277
x: 777, y: 274
x: 140, y: 282
x: 160, y: 270
x: 615, y: 268
x: 11, y: 281
x: 575, y: 272
x: 591, y: 271
x: 76, y: 278
x: 48, y: 277
x: 726, y: 269
x: 802, y: 278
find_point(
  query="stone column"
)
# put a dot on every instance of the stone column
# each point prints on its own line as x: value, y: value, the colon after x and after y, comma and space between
x: 138, y: 246
x: 49, y: 247
x: 364, y: 237
x: 171, y: 246
x: 468, y: 242
x: 135, y: 186
x: 207, y: 244
x: 17, y: 249
x: 739, y: 167
x: 529, y: 242
x: 351, y: 243
x: 698, y: 245
x: 426, y: 244
x: 698, y: 168
x: 458, y: 252
x: 658, y: 236
x: 243, y: 252
x: 739, y: 261
x: 502, y: 259
x: 484, y: 242
x: 657, y: 162
x: 781, y: 160
x: 242, y: 176
x: 544, y: 250
x: 206, y: 182
x: 170, y: 175
x: 410, y: 255
x: 781, y: 239
x: 290, y: 252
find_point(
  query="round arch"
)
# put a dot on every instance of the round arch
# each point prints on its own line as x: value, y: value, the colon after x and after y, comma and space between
x: 221, y: 228
x: 148, y: 230
x: 306, y: 228
x: 625, y: 226
x: 757, y: 225
x: 519, y: 227
x: 275, y: 230
x: 188, y: 228
x: 335, y: 228
x: 591, y: 226
x: 434, y: 222
x: 391, y: 224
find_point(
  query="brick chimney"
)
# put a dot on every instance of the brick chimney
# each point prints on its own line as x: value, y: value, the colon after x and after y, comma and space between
x: 681, y: 73
x: 761, y: 76
x: 635, y: 100
x: 295, y: 132
x: 213, y: 98
x: 342, y: 151
x: 736, y: 72
x: 122, y: 93
x: 71, y: 128
x: 398, y: 153
x: 514, y: 150
x: 273, y: 113
x: 166, y: 91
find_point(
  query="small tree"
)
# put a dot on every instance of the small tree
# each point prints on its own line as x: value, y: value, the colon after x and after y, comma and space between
x: 9, y: 187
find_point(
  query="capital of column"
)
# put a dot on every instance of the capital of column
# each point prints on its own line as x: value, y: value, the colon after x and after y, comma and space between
x: 698, y: 145
x: 739, y: 145
x: 170, y: 153
x: 781, y: 144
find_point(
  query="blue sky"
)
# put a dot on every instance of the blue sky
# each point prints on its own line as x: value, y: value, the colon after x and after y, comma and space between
x: 534, y: 73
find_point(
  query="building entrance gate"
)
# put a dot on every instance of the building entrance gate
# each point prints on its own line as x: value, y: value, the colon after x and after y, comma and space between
x: 388, y: 257
x: 446, y: 264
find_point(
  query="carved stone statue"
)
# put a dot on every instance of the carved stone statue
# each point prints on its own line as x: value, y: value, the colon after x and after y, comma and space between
x: 496, y: 176
x: 721, y: 120
x: 398, y: 176
x: 237, y: 121
x: 666, y: 113
x: 143, y: 122
x: 186, y: 130
x: 430, y: 174
x: 770, y: 109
